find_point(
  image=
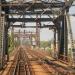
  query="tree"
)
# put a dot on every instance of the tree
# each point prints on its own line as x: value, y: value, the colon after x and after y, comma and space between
x: 10, y: 42
x: 45, y: 44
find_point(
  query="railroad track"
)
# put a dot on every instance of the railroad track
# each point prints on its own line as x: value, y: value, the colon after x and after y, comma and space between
x: 13, y: 67
x: 48, y: 67
x: 40, y: 62
x: 22, y: 66
x: 28, y: 63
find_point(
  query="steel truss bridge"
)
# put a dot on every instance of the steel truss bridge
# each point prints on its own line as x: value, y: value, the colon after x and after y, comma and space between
x: 37, y: 11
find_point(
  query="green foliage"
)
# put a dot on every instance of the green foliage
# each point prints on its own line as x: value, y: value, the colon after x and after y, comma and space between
x: 16, y: 43
x: 10, y: 42
x: 45, y: 44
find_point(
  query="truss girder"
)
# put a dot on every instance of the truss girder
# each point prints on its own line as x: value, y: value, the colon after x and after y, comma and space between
x: 29, y: 13
x: 34, y: 5
x: 29, y: 19
x: 45, y: 26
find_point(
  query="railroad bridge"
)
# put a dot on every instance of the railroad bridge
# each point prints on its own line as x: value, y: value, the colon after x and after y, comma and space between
x: 17, y: 13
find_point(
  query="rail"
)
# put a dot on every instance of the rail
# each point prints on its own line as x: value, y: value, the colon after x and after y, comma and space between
x: 22, y: 64
x: 16, y: 65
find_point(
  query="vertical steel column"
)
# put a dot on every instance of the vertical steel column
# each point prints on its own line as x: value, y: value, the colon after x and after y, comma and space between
x: 24, y: 37
x: 6, y: 42
x: 1, y: 65
x: 37, y: 32
x: 62, y: 37
x: 65, y: 38
x: 72, y: 51
x: 54, y: 39
x: 31, y: 38
x: 61, y: 50
x: 2, y: 52
x: 55, y: 43
x: 58, y: 36
x: 19, y: 38
x: 12, y: 35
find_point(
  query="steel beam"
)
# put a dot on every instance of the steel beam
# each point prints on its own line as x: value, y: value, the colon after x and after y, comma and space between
x: 35, y: 5
x: 29, y: 19
x: 45, y: 26
x: 30, y: 13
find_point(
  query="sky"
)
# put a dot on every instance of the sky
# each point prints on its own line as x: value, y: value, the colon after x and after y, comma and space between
x: 46, y: 34
x: 73, y: 25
